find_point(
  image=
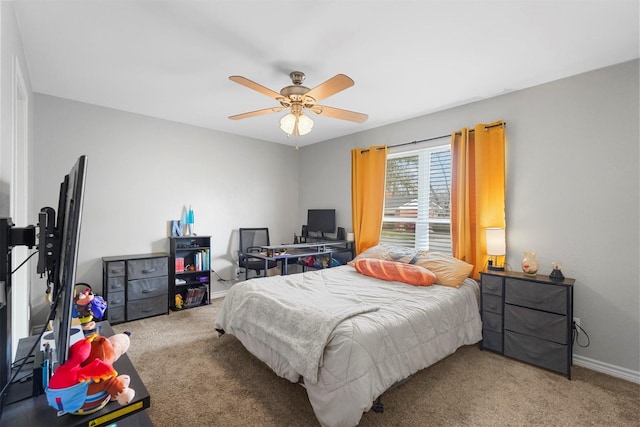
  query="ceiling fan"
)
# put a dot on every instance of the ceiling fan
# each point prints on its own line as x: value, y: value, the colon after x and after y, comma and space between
x: 298, y: 98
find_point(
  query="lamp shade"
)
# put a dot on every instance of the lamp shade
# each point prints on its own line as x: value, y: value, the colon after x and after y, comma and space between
x: 287, y: 123
x: 291, y: 121
x: 304, y: 124
x: 496, y: 242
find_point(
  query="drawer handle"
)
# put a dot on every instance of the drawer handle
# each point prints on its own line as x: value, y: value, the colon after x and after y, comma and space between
x: 149, y: 270
x: 534, y: 300
x: 147, y: 291
x: 146, y: 310
x: 492, y: 305
x: 533, y: 355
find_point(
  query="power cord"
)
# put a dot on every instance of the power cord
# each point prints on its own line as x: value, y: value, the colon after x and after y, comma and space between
x: 19, y: 364
x: 23, y: 262
x: 577, y: 329
x: 30, y: 358
x: 220, y: 279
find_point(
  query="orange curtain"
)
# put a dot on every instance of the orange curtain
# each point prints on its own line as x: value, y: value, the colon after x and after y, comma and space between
x: 368, y: 173
x: 477, y: 190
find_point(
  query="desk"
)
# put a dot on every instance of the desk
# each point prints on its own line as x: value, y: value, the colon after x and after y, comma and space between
x: 284, y: 253
x: 35, y: 411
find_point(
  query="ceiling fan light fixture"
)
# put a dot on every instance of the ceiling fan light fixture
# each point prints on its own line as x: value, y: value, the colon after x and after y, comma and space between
x: 287, y: 123
x: 297, y: 98
x: 291, y: 121
x: 304, y: 124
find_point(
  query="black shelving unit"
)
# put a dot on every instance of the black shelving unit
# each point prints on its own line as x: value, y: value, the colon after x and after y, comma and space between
x: 190, y: 271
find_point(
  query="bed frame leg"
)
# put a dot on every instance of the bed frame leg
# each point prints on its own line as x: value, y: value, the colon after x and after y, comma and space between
x: 378, y: 406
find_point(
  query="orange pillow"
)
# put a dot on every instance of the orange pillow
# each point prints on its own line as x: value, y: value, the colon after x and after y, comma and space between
x: 395, y: 271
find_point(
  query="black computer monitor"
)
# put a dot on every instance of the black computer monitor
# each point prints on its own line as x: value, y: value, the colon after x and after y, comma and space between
x: 321, y: 221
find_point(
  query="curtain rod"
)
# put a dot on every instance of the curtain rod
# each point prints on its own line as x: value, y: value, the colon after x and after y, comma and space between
x: 435, y: 137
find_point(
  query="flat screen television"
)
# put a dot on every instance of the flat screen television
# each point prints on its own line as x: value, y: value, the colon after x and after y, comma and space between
x: 65, y: 264
x: 321, y: 221
x: 59, y: 239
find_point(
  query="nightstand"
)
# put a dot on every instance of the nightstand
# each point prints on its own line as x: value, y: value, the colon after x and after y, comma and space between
x: 528, y: 318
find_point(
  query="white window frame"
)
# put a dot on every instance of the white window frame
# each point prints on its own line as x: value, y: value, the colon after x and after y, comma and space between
x: 422, y: 221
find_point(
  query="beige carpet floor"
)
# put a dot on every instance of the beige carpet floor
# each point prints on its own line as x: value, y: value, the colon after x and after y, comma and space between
x: 197, y: 379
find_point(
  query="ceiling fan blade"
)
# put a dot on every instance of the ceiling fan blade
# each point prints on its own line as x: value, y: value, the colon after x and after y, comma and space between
x: 332, y: 86
x: 255, y: 86
x: 337, y: 113
x: 256, y: 113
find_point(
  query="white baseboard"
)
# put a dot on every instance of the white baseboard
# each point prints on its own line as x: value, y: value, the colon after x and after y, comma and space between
x: 606, y: 368
x: 219, y: 294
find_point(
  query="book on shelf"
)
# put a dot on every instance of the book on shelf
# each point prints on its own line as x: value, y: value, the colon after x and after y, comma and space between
x: 202, y: 260
x: 206, y: 259
x: 194, y: 296
x: 179, y: 264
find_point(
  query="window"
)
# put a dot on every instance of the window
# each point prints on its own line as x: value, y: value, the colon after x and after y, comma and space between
x: 417, y: 199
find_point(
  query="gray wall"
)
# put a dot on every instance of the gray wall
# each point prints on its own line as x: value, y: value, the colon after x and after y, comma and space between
x: 143, y: 171
x: 572, y: 192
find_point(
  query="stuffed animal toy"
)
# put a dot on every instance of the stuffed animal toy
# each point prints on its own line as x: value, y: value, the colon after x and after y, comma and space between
x: 115, y: 388
x: 87, y: 381
x: 88, y: 306
x: 67, y: 389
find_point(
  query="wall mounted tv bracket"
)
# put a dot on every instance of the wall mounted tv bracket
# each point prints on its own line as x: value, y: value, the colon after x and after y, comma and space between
x: 11, y: 236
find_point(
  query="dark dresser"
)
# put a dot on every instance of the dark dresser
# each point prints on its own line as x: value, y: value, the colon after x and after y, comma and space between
x: 135, y: 286
x: 529, y: 318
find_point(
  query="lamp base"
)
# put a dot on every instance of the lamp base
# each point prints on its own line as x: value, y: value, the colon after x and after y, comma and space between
x: 492, y: 267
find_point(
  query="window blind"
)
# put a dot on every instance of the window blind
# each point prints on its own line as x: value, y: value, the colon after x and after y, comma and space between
x: 417, y: 199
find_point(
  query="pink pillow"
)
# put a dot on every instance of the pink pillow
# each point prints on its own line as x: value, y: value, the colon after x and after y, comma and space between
x: 395, y: 271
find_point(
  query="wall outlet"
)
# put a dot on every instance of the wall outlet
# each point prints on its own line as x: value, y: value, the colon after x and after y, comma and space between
x: 576, y: 321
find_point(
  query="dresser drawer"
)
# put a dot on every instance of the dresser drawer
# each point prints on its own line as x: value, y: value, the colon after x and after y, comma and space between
x: 115, y: 269
x: 147, y: 288
x: 491, y: 303
x: 115, y: 314
x: 491, y: 321
x: 491, y: 285
x: 540, y: 324
x: 138, y: 309
x: 148, y: 267
x: 491, y: 340
x: 536, y: 295
x: 116, y: 299
x: 115, y: 284
x: 538, y: 352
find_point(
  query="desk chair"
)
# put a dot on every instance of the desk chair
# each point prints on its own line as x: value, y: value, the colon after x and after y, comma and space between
x: 250, y: 241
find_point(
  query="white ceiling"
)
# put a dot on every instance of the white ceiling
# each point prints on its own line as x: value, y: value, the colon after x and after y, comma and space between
x: 172, y: 59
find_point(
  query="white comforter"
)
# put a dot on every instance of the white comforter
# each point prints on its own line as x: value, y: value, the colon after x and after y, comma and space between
x: 366, y: 353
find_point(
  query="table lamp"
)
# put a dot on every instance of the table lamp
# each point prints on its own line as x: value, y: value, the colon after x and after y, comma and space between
x: 496, y: 247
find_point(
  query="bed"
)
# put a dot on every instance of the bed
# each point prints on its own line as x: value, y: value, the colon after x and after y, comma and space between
x: 347, y: 336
